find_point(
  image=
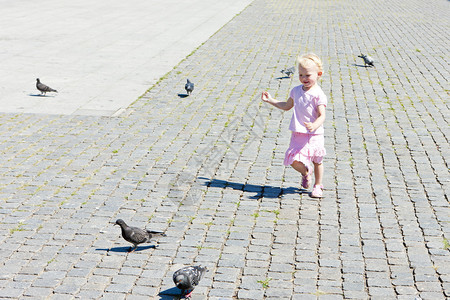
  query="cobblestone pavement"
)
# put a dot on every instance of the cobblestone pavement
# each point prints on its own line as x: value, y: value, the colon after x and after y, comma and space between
x: 208, y: 169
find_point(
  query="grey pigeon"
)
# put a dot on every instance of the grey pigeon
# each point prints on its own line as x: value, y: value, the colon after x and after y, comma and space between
x: 187, y: 278
x: 136, y: 235
x: 43, y: 88
x: 289, y: 71
x: 367, y: 60
x: 189, y: 86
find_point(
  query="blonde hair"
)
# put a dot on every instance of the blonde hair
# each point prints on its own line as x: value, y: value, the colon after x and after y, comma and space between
x: 306, y: 59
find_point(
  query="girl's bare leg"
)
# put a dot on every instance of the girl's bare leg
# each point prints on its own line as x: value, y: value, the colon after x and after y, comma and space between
x: 318, y: 173
x: 299, y: 167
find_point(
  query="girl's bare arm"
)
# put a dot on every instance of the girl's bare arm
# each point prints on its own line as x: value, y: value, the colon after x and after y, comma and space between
x: 283, y: 105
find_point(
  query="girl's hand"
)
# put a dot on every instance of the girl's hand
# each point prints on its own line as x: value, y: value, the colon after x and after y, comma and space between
x: 265, y: 96
x: 309, y: 126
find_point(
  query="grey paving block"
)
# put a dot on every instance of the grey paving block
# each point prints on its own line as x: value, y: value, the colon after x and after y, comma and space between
x: 250, y: 294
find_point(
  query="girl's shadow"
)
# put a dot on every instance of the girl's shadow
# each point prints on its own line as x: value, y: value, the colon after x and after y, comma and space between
x: 266, y: 191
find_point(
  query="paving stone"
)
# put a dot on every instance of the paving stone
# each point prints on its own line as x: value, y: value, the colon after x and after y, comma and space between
x: 38, y: 292
x: 221, y: 293
x: 118, y: 288
x: 89, y: 294
x: 12, y: 292
x: 381, y: 292
x: 145, y: 291
x: 304, y: 296
x: 250, y: 294
x: 251, y: 282
x: 432, y: 295
x: 405, y: 290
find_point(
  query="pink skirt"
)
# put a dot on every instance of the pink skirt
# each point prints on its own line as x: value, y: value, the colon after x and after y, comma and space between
x: 305, y: 148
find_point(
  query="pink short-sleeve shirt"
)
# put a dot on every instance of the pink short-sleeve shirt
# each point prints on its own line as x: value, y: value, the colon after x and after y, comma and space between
x: 305, y: 108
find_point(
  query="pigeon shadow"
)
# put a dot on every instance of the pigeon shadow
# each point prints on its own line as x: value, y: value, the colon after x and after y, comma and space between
x: 267, y: 191
x: 126, y: 249
x: 169, y: 297
x: 284, y: 77
x: 172, y: 293
x: 41, y: 95
x: 183, y: 95
x: 362, y: 66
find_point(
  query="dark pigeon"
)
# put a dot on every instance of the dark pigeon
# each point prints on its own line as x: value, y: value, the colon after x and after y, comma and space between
x: 289, y: 71
x: 187, y: 278
x: 189, y: 87
x: 367, y: 60
x: 136, y: 235
x: 43, y: 88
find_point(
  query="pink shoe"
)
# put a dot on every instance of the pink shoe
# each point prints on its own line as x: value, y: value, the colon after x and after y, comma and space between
x: 306, y: 180
x: 317, y: 191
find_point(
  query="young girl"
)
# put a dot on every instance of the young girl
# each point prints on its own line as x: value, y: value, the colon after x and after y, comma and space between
x: 307, y: 141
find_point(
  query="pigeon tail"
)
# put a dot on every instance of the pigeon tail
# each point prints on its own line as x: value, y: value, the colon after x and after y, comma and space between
x: 155, y: 233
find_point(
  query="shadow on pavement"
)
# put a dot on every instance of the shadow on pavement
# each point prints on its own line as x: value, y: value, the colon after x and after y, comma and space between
x: 41, y: 95
x: 260, y: 191
x: 172, y: 294
x: 361, y: 66
x: 125, y: 249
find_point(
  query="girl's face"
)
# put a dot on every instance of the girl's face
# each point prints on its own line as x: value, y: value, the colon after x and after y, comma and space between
x: 308, y: 75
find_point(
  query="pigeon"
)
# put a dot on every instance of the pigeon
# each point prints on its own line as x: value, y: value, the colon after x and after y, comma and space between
x: 289, y: 71
x: 43, y: 88
x: 187, y: 278
x: 189, y: 87
x: 367, y: 60
x: 136, y: 235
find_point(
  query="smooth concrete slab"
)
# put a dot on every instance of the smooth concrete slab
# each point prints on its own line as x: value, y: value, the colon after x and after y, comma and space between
x: 100, y: 55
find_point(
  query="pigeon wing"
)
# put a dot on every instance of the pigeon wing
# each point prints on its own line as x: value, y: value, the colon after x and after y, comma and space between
x: 44, y: 88
x: 137, y: 235
x: 196, y: 274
